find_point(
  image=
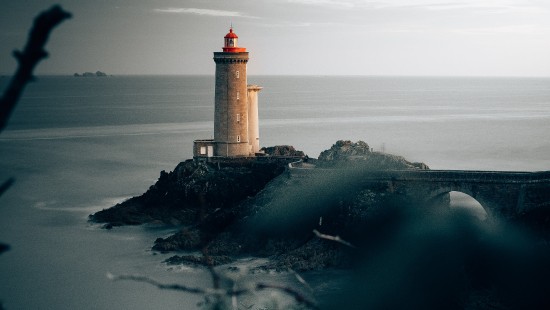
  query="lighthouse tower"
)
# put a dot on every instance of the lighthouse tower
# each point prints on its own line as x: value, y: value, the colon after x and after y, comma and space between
x: 236, y: 128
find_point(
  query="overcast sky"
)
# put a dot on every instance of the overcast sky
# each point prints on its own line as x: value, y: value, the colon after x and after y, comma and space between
x: 300, y: 37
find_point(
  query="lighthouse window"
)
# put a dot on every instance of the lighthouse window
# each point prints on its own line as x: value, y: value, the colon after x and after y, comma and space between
x: 237, y: 74
x: 238, y: 138
x: 237, y: 95
x: 238, y: 118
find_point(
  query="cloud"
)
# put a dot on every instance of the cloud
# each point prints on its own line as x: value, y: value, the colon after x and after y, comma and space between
x: 290, y: 24
x: 487, y: 6
x: 514, y: 29
x: 343, y: 4
x: 203, y: 12
x: 491, y: 6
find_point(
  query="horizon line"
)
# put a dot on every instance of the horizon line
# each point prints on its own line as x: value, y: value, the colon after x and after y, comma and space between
x: 5, y: 75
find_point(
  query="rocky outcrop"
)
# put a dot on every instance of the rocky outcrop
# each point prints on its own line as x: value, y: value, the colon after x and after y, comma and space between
x: 282, y: 150
x: 239, y: 207
x: 359, y: 153
x: 91, y: 74
x: 247, y: 209
x: 195, y: 260
x: 345, y: 150
x: 192, y: 193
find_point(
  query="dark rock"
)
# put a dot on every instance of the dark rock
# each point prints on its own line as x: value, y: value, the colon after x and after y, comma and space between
x: 185, y: 239
x: 345, y: 150
x: 195, y: 192
x: 195, y: 260
x: 282, y: 150
x: 401, y: 248
x: 316, y: 254
x: 359, y: 153
x: 234, y: 208
x: 421, y: 166
x: 226, y: 243
x: 91, y: 74
x: 129, y: 212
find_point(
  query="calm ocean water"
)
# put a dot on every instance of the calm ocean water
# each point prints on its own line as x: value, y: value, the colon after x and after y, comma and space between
x: 77, y: 145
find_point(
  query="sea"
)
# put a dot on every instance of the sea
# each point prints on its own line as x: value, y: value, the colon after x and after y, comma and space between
x: 78, y: 145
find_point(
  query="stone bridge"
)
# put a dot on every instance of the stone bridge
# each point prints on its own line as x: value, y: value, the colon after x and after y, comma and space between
x: 501, y: 193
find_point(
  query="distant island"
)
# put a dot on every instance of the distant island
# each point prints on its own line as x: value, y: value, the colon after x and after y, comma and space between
x: 91, y: 74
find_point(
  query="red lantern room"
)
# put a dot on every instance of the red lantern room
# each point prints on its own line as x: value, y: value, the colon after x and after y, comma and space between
x: 230, y: 43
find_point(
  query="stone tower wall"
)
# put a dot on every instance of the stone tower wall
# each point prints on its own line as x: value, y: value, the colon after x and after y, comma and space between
x: 253, y: 123
x: 231, y: 107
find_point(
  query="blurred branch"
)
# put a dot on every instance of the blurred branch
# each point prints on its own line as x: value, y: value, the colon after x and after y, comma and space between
x: 333, y: 238
x: 301, y: 280
x: 216, y: 280
x: 210, y: 264
x: 29, y: 58
x: 4, y: 248
x: 216, y: 277
x: 4, y: 186
x: 174, y: 287
x: 298, y: 297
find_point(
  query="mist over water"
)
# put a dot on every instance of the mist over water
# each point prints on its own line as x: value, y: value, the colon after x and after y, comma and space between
x: 77, y: 145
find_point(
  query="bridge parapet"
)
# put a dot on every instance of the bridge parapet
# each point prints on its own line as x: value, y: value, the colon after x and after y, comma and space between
x: 502, y: 193
x: 440, y: 175
x: 463, y: 175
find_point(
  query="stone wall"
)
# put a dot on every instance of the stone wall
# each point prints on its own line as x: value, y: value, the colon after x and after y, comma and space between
x: 231, y: 108
x: 253, y: 122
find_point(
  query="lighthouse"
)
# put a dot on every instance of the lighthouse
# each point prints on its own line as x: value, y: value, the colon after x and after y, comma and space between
x: 236, y: 126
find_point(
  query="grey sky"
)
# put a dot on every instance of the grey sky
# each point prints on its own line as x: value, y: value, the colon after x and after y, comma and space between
x: 321, y: 37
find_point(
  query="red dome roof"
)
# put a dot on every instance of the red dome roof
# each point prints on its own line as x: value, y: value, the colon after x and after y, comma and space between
x: 231, y: 34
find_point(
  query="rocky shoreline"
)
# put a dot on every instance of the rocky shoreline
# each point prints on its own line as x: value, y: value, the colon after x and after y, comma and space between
x: 229, y: 208
x: 432, y: 258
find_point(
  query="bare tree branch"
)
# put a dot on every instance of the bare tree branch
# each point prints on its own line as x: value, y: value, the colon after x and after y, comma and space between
x: 210, y: 264
x: 215, y: 276
x: 31, y: 55
x: 333, y: 238
x: 298, y: 297
x: 29, y: 58
x: 301, y: 299
x: 300, y: 279
x: 173, y: 287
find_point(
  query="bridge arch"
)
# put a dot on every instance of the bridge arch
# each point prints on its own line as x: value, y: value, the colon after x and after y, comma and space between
x: 445, y: 194
x: 503, y: 195
x: 462, y: 201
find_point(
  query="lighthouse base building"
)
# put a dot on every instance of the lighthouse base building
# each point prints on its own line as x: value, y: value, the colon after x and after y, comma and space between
x: 236, y: 127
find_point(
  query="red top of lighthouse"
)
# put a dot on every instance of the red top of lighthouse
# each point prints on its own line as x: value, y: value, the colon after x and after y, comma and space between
x: 231, y: 34
x: 230, y: 43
